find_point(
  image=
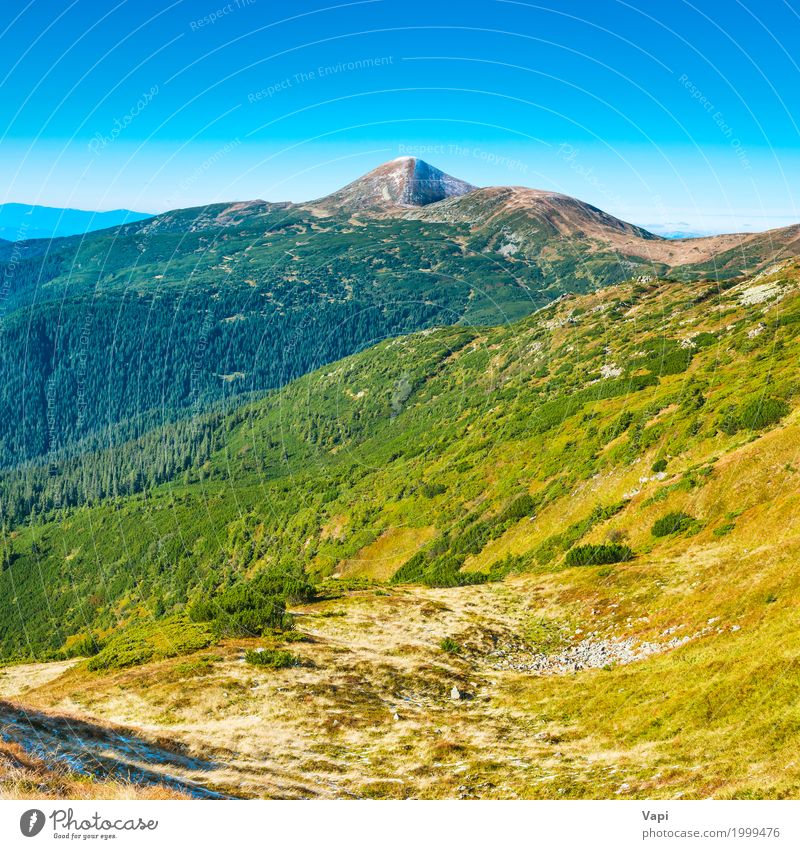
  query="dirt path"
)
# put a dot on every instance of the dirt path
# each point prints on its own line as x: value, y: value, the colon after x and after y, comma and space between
x: 64, y: 743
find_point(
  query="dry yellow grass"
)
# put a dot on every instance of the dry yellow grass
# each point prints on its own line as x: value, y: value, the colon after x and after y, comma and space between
x: 16, y: 680
x: 370, y: 713
x: 25, y: 777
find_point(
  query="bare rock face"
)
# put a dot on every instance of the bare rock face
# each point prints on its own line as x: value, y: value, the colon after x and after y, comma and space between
x: 403, y: 182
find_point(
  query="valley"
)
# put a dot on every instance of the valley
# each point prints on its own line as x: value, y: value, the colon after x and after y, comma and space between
x: 370, y: 710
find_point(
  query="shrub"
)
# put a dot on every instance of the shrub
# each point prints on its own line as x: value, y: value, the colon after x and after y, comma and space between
x: 518, y: 509
x: 660, y: 465
x: 756, y: 414
x: 241, y: 612
x: 145, y: 641
x: 294, y: 637
x: 759, y: 414
x: 254, y: 607
x: 431, y: 490
x: 507, y: 565
x: 597, y: 555
x: 436, y: 569
x: 548, y: 550
x: 449, y: 645
x: 672, y: 523
x: 448, y: 574
x: 664, y: 357
x: 617, y: 427
x: 86, y: 646
x: 271, y: 658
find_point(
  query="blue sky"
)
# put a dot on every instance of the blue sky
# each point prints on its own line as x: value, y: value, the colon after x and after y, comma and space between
x: 675, y: 115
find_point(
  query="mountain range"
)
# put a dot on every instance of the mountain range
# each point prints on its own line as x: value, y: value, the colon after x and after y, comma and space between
x: 584, y: 521
x: 19, y: 221
x: 415, y: 490
x: 108, y: 334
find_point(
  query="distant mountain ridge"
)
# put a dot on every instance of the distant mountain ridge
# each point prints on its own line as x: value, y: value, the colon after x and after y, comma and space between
x: 521, y: 221
x: 21, y: 221
x: 570, y: 539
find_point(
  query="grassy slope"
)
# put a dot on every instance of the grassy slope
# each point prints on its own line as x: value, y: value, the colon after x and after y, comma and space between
x: 442, y: 432
x: 369, y: 712
x: 25, y: 775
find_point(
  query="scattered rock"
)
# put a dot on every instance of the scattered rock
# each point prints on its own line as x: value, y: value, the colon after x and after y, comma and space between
x: 610, y: 370
x: 589, y: 653
x: 455, y: 694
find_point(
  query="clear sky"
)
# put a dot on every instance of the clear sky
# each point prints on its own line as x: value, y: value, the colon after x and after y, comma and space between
x: 675, y: 115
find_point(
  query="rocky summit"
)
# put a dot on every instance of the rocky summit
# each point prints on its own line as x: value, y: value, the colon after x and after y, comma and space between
x: 404, y: 182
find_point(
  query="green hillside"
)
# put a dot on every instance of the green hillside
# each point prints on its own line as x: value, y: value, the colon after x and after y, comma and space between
x: 590, y: 434
x: 149, y: 322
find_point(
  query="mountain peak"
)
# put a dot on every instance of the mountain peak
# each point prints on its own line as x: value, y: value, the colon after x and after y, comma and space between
x: 406, y: 181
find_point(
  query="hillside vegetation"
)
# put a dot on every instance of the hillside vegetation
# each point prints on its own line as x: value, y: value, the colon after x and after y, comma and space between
x: 110, y: 334
x: 457, y: 455
x: 106, y: 336
x: 585, y: 522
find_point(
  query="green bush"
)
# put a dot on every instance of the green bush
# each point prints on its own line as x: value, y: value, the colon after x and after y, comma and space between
x: 597, y: 555
x: 551, y: 547
x: 518, y: 509
x: 293, y: 637
x: 271, y: 658
x: 664, y: 357
x: 241, y: 612
x: 660, y: 465
x: 431, y: 490
x: 618, y: 426
x: 755, y: 414
x: 147, y: 641
x: 759, y: 414
x: 255, y: 607
x: 449, y: 645
x: 447, y: 574
x: 86, y: 646
x: 510, y: 564
x: 435, y: 568
x: 672, y: 523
